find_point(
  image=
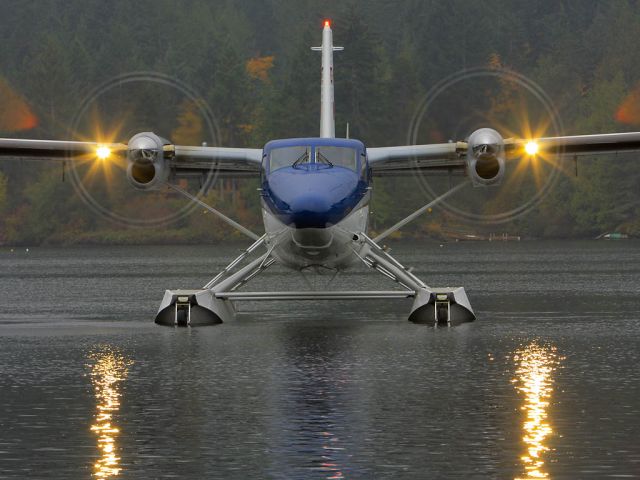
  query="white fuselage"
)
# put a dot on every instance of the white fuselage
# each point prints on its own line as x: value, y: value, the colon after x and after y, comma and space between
x: 331, y: 248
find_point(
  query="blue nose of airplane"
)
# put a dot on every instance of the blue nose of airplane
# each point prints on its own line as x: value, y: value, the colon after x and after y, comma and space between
x: 313, y: 197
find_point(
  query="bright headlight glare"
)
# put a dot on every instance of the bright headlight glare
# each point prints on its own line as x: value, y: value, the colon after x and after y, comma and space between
x: 531, y: 148
x: 103, y: 152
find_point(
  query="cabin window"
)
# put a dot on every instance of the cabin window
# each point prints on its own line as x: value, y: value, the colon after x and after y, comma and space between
x: 289, y: 157
x: 338, y: 156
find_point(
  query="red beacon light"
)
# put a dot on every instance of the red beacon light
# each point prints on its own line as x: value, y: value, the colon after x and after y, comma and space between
x: 327, y: 24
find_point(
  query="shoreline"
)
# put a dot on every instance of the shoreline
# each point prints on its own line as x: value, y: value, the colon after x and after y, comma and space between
x: 229, y: 242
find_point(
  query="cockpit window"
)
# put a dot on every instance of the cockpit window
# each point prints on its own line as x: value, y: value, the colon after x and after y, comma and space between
x: 289, y: 156
x: 337, y: 156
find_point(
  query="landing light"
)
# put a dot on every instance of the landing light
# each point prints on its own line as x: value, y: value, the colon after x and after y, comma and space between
x: 103, y: 152
x: 531, y: 148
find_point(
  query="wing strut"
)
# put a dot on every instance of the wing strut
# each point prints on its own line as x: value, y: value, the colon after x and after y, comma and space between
x: 221, y: 215
x: 419, y: 212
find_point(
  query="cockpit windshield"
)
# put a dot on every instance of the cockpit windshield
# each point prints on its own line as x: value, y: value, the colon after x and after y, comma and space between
x: 324, y: 156
x: 337, y: 156
x: 289, y: 156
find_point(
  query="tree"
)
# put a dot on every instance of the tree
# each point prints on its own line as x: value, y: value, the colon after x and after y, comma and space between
x: 362, y: 79
x: 252, y: 65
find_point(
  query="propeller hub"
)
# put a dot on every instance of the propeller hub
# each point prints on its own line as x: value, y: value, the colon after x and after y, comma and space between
x: 485, y: 157
x: 147, y: 169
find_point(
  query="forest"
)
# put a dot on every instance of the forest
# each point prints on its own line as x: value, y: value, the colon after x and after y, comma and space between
x: 242, y: 73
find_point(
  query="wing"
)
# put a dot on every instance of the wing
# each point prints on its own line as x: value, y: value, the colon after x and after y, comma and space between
x: 405, y: 160
x: 183, y: 161
x: 452, y: 157
x: 229, y: 162
x: 55, y: 149
x: 577, y: 145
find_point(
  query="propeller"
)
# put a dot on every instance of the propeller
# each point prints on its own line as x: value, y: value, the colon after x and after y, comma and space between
x: 138, y: 102
x: 462, y: 107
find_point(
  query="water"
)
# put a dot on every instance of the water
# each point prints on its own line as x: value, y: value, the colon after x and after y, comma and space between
x: 545, y: 384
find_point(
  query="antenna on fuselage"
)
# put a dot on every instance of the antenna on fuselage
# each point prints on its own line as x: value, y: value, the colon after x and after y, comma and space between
x: 327, y: 121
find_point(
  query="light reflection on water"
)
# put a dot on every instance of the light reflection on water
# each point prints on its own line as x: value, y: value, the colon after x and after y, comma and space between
x: 108, y: 369
x: 330, y: 464
x: 534, y: 379
x: 315, y: 425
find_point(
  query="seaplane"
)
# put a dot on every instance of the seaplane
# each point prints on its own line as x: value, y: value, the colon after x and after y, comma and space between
x: 315, y: 196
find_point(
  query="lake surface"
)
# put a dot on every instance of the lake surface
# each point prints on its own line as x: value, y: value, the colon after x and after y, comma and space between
x: 545, y: 384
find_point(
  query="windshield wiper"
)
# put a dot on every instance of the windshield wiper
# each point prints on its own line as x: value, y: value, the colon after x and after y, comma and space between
x: 323, y: 159
x: 302, y: 159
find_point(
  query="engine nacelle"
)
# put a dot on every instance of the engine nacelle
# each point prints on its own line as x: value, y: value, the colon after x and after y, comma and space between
x: 147, y: 165
x: 485, y: 158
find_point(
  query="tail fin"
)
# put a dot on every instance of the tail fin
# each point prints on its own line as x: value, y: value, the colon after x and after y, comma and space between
x: 327, y: 121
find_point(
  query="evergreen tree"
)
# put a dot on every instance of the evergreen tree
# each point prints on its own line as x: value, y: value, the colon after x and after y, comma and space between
x: 251, y: 63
